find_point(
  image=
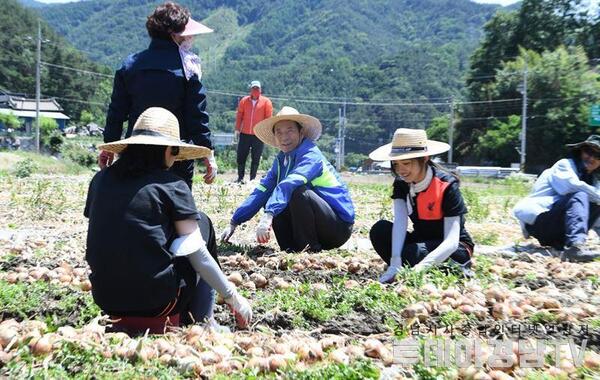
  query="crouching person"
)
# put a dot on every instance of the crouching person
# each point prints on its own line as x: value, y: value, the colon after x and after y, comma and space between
x: 564, y: 204
x: 428, y: 195
x: 304, y: 199
x: 152, y: 254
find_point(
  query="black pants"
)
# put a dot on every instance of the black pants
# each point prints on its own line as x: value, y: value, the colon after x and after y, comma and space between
x: 247, y: 143
x: 414, y: 250
x: 194, y: 300
x: 567, y: 222
x: 308, y: 221
x: 184, y: 169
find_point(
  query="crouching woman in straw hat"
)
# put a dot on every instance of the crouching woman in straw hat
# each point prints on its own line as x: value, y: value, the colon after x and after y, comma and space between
x: 151, y: 252
x: 304, y: 199
x: 431, y: 198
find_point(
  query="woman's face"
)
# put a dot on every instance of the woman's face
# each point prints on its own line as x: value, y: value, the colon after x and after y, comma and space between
x: 412, y: 170
x: 590, y: 159
x: 287, y: 135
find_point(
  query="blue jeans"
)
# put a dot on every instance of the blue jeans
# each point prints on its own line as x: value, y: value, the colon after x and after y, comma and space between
x: 567, y: 223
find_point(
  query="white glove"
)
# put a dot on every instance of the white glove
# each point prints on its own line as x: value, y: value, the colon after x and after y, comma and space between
x: 241, y: 309
x: 390, y: 274
x: 211, y: 168
x: 226, y: 234
x: 263, y: 231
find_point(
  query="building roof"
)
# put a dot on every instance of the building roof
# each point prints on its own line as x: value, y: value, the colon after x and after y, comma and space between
x: 25, y: 104
x: 31, y: 114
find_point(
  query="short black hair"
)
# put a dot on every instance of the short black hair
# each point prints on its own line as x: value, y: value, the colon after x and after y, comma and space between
x: 137, y: 160
x: 167, y: 19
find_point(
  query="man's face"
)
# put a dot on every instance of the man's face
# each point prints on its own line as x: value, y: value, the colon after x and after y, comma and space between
x: 287, y: 135
x: 590, y: 159
x: 255, y: 92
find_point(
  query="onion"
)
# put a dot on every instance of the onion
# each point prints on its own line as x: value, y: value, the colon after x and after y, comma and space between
x: 298, y: 267
x: 259, y: 280
x: 7, y: 334
x: 12, y: 278
x: 40, y: 346
x: 501, y: 311
x: 451, y: 292
x: 276, y: 362
x: 551, y: 303
x: 209, y: 358
x: 339, y: 356
x: 245, y: 342
x: 281, y: 348
x: 190, y: 364
x: 480, y: 375
x: 466, y: 309
x: 331, y: 342
x: 280, y: 283
x: 85, y: 285
x: 354, y: 267
x: 350, y: 284
x: 259, y: 364
x: 165, y: 359
x: 249, y: 285
x: 255, y: 351
x: 592, y: 360
x: 236, y: 278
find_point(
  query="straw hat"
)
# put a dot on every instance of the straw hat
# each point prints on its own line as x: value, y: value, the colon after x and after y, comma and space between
x: 157, y: 126
x: 407, y: 144
x: 311, y: 126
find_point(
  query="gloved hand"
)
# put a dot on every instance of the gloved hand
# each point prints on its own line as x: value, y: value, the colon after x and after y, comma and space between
x: 211, y: 168
x: 241, y: 309
x: 390, y: 274
x: 263, y: 233
x: 236, y: 137
x: 105, y: 159
x: 226, y: 234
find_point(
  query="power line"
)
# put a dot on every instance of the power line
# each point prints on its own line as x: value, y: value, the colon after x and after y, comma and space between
x: 77, y: 70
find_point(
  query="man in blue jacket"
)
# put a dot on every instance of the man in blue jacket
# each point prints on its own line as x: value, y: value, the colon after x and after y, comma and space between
x: 565, y: 202
x: 166, y: 75
x: 303, y: 196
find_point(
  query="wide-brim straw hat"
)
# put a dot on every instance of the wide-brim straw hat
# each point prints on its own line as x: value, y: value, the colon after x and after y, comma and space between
x: 311, y: 126
x: 157, y: 126
x: 408, y: 143
x: 592, y: 142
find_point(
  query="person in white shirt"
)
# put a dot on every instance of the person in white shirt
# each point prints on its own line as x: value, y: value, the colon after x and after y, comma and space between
x: 564, y: 203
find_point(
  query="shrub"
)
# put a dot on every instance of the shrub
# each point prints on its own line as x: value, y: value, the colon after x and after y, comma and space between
x: 25, y: 168
x: 79, y: 155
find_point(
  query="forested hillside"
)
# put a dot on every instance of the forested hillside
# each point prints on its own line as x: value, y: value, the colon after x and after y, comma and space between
x: 321, y: 51
x: 18, y: 35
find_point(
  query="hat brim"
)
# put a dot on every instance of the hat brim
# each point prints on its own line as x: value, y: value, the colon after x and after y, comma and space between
x: 311, y: 127
x: 193, y: 28
x: 582, y: 144
x: 186, y: 151
x: 384, y: 153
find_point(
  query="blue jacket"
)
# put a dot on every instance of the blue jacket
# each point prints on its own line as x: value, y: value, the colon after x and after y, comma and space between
x: 155, y: 78
x: 305, y: 165
x: 564, y: 177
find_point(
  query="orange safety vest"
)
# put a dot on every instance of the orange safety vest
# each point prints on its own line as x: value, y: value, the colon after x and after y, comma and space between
x: 248, y: 115
x: 429, y: 202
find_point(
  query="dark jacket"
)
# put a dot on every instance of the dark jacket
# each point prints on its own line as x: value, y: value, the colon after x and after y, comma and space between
x: 155, y: 78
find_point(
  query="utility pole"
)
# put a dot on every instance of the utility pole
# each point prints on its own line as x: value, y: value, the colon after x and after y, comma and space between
x: 37, y: 87
x: 338, y: 143
x: 524, y: 121
x: 451, y: 132
x: 343, y: 142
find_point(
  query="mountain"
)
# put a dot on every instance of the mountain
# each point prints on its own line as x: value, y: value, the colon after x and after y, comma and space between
x: 75, y: 90
x: 358, y: 50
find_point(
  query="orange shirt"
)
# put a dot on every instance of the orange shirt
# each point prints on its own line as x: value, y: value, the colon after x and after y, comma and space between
x: 248, y: 115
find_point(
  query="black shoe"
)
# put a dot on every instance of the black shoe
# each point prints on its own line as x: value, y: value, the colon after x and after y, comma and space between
x: 240, y: 181
x: 576, y: 253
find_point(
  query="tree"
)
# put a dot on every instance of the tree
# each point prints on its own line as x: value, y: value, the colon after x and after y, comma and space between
x: 498, y: 144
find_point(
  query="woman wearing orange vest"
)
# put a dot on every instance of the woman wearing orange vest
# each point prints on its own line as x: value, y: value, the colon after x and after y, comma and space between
x: 252, y: 109
x: 428, y: 195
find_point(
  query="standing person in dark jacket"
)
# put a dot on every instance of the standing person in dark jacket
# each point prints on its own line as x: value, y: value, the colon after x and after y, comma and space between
x: 252, y: 109
x: 166, y: 75
x: 304, y: 198
x: 431, y: 198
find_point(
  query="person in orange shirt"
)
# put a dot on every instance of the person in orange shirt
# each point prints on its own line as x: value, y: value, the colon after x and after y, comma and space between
x: 252, y: 109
